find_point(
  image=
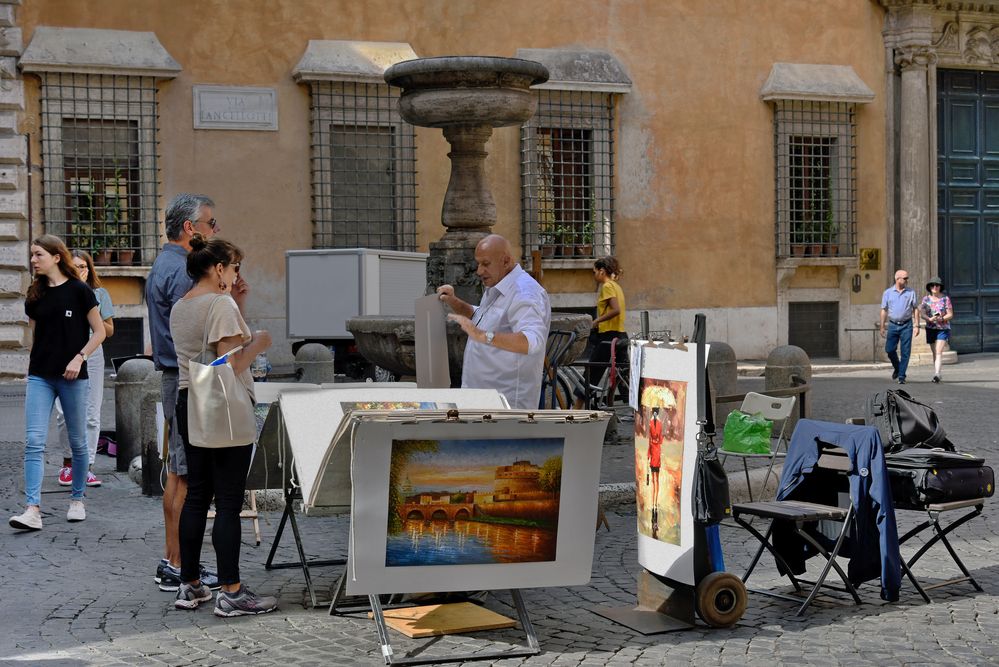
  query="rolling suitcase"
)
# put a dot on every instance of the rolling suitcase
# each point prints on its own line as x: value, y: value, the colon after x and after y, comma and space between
x: 919, y: 477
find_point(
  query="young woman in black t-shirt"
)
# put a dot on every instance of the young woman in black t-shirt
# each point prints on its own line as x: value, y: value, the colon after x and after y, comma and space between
x: 63, y: 311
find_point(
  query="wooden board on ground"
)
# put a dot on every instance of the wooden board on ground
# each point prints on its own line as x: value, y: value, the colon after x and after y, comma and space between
x: 444, y: 619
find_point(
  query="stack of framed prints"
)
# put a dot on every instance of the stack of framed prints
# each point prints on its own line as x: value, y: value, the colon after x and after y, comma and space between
x: 303, y: 439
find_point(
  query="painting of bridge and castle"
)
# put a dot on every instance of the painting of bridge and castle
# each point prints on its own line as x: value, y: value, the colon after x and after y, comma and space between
x: 454, y: 502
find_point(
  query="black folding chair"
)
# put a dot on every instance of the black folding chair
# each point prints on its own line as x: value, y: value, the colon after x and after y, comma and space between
x: 799, y: 514
x: 933, y: 512
x: 552, y: 384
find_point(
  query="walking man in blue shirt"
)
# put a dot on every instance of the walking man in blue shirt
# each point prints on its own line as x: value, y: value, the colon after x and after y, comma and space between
x: 899, y: 323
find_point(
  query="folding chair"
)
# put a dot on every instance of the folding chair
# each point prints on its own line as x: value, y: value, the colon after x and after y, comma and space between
x: 556, y: 348
x: 775, y: 409
x: 939, y: 533
x: 799, y: 514
x: 933, y: 512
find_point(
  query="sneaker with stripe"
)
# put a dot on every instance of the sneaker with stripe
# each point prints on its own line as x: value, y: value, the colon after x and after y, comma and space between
x: 243, y: 602
x: 189, y: 597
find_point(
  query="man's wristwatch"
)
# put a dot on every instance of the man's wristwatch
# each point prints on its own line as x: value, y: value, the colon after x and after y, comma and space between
x: 84, y: 355
x: 489, y: 337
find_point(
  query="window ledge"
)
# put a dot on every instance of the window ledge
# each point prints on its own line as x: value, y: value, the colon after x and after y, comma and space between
x: 550, y: 264
x: 112, y: 271
x: 794, y: 262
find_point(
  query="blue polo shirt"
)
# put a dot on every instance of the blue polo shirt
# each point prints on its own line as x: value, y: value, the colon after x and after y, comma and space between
x: 899, y: 304
x: 166, y: 284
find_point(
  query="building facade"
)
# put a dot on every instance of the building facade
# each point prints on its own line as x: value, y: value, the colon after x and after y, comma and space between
x: 739, y: 160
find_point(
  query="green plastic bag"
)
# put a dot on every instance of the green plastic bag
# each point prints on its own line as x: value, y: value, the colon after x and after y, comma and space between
x: 747, y: 434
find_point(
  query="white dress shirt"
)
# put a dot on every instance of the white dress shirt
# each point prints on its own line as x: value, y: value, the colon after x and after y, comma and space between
x: 516, y: 304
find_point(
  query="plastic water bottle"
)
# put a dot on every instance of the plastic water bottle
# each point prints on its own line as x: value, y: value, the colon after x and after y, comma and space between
x: 260, y: 367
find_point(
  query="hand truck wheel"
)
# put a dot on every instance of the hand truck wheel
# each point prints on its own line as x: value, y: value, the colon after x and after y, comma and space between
x: 721, y: 599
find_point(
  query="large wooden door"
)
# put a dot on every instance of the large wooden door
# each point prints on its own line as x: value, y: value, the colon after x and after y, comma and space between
x: 968, y: 204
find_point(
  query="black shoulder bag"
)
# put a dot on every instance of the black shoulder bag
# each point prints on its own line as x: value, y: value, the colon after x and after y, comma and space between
x: 711, y: 495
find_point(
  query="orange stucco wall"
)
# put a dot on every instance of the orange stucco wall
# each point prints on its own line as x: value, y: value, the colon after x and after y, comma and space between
x: 694, y: 158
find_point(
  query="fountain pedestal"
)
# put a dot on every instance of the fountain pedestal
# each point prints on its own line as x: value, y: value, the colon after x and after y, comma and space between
x: 466, y: 97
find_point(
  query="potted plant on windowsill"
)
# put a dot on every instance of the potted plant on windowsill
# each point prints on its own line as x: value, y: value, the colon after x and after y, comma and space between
x: 100, y: 250
x: 125, y: 251
x: 563, y: 247
x: 546, y: 243
x: 585, y: 246
x: 830, y: 235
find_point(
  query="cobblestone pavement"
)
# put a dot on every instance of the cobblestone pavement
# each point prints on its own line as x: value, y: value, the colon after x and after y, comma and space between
x: 76, y: 594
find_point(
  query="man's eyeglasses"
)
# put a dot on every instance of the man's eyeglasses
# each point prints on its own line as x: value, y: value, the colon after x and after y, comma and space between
x: 905, y: 277
x: 211, y: 223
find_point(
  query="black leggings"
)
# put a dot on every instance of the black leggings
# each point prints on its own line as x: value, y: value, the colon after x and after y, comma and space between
x: 218, y: 473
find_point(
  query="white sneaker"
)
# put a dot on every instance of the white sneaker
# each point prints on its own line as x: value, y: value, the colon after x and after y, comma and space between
x: 30, y: 520
x: 76, y: 511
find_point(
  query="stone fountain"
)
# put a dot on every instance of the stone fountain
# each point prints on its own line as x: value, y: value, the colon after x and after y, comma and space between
x: 466, y: 97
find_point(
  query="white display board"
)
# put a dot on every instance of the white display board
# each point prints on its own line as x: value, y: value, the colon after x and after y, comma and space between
x: 478, y: 504
x: 317, y: 437
x: 270, y: 467
x: 665, y: 458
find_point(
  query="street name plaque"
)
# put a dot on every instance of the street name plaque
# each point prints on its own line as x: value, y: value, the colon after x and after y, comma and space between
x: 235, y: 108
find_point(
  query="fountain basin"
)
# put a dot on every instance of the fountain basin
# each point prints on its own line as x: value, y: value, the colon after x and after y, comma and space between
x: 390, y: 341
x: 466, y: 90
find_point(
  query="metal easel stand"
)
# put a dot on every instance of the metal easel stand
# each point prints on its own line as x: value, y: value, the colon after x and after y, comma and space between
x: 532, y: 648
x: 377, y: 610
x: 290, y: 495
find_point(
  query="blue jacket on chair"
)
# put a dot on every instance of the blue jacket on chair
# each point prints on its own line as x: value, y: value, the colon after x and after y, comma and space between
x: 873, y: 546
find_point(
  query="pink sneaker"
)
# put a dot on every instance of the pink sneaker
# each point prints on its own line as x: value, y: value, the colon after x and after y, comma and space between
x: 66, y: 476
x: 92, y: 479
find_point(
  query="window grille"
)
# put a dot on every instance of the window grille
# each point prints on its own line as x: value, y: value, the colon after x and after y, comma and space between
x: 816, y: 179
x: 99, y: 165
x: 363, y: 168
x: 567, y: 174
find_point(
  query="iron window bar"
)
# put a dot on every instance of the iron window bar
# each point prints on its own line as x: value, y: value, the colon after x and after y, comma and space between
x: 816, y: 178
x: 99, y: 151
x: 567, y: 175
x: 363, y: 168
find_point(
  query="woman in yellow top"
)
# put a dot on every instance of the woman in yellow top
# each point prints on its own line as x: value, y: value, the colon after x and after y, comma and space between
x: 609, y: 323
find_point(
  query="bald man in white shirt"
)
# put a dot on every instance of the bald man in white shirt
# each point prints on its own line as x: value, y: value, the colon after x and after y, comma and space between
x: 507, y: 331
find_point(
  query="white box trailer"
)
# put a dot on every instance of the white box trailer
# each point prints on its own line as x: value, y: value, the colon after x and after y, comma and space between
x: 325, y: 288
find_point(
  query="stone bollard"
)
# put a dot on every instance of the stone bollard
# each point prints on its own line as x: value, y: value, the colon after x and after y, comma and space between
x: 315, y: 364
x: 723, y: 374
x: 127, y: 407
x: 782, y: 363
x: 150, y: 442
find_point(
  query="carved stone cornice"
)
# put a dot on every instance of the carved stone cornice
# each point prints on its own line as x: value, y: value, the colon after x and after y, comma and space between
x: 983, y: 6
x: 915, y: 57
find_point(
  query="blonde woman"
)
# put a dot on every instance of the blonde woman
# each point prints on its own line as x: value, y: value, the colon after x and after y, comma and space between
x: 84, y: 264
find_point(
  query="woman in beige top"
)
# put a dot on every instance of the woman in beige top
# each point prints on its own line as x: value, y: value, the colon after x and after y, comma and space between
x: 207, y: 317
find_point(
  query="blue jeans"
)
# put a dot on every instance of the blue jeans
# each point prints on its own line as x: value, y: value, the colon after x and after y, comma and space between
x: 38, y: 403
x: 899, y: 336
